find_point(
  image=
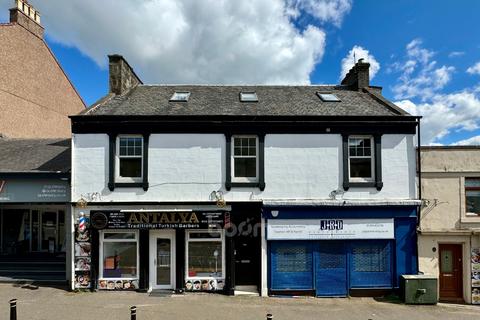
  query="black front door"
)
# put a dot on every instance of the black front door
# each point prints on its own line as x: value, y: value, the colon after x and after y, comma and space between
x: 247, y: 259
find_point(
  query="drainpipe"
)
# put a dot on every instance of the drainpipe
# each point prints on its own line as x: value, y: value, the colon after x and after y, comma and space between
x: 419, y: 169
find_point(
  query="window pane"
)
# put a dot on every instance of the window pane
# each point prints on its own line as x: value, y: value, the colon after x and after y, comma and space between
x: 446, y: 257
x: 472, y: 183
x: 252, y: 151
x: 361, y: 168
x: 138, y: 151
x: 353, y: 151
x: 237, y: 151
x: 245, y: 167
x: 252, y: 142
x: 119, y: 235
x: 473, y: 201
x: 205, y: 259
x: 119, y: 259
x: 123, y: 142
x: 131, y: 167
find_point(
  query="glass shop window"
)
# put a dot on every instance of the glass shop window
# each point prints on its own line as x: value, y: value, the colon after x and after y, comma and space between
x: 119, y: 255
x: 205, y: 252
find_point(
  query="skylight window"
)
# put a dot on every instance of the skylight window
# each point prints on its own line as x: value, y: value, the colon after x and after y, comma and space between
x: 328, y: 97
x: 248, y: 97
x: 181, y: 96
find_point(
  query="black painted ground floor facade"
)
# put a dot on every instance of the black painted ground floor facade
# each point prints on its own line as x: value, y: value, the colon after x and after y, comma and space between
x: 199, y: 247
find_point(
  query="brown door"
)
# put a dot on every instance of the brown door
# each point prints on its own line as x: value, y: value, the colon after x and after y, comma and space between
x: 451, y: 275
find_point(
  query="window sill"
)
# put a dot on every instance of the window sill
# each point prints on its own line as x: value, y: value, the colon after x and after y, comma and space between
x: 114, y: 185
x: 260, y: 185
x: 372, y: 184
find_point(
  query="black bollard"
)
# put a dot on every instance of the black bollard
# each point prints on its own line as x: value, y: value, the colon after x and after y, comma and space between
x: 133, y: 313
x: 269, y: 316
x: 13, y: 309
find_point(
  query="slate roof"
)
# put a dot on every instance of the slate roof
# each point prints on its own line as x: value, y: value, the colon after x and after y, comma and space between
x: 34, y: 155
x: 222, y: 100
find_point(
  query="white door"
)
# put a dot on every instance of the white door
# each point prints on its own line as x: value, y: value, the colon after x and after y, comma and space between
x: 162, y: 259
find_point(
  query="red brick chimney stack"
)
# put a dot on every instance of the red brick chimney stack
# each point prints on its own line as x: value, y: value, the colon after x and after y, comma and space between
x: 27, y: 16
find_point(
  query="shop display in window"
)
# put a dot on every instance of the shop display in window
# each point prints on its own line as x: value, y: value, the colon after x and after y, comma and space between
x: 105, y: 284
x: 475, y: 276
x: 204, y: 284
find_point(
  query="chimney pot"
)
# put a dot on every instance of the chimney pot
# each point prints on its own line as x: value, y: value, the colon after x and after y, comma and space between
x: 25, y: 15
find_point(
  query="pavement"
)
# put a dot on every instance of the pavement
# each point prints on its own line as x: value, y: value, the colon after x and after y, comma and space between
x: 38, y: 303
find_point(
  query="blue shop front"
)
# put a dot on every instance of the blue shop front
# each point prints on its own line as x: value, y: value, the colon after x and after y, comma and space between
x: 339, y: 251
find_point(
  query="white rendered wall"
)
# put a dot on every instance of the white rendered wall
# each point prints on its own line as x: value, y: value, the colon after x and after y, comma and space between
x: 188, y: 167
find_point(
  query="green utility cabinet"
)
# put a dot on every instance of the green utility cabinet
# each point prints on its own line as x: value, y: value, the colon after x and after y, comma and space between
x: 419, y: 289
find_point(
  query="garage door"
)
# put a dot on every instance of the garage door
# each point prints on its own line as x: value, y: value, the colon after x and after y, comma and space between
x: 331, y: 269
x: 291, y: 265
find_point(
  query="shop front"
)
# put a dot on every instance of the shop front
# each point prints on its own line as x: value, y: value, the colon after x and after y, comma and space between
x: 339, y: 251
x: 158, y: 248
x: 32, y: 216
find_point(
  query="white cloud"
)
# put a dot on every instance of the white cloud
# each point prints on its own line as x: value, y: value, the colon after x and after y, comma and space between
x: 325, y: 10
x: 473, y: 141
x: 359, y: 52
x: 419, y: 74
x: 475, y: 69
x: 445, y: 113
x: 191, y: 41
x: 455, y: 54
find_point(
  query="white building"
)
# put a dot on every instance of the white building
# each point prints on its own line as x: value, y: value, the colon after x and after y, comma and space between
x: 306, y: 189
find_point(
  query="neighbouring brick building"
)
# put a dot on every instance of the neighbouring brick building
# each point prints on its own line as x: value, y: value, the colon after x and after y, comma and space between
x: 36, y: 95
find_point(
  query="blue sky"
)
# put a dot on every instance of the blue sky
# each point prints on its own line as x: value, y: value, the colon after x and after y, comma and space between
x: 422, y: 48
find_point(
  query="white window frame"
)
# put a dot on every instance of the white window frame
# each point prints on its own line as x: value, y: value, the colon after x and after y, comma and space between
x: 232, y: 152
x: 371, y: 157
x: 188, y: 240
x: 100, y: 251
x: 119, y: 178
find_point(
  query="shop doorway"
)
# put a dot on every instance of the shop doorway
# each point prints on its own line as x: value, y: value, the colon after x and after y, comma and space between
x: 162, y: 259
x: 451, y: 273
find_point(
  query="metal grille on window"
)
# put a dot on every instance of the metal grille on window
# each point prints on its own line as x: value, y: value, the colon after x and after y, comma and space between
x: 371, y: 257
x: 331, y: 260
x: 293, y: 259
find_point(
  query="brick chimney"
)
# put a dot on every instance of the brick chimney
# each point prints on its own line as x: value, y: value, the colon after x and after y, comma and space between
x: 27, y: 16
x: 122, y: 76
x: 358, y: 77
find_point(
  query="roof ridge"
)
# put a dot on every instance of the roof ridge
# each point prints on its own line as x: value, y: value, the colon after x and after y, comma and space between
x: 237, y: 85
